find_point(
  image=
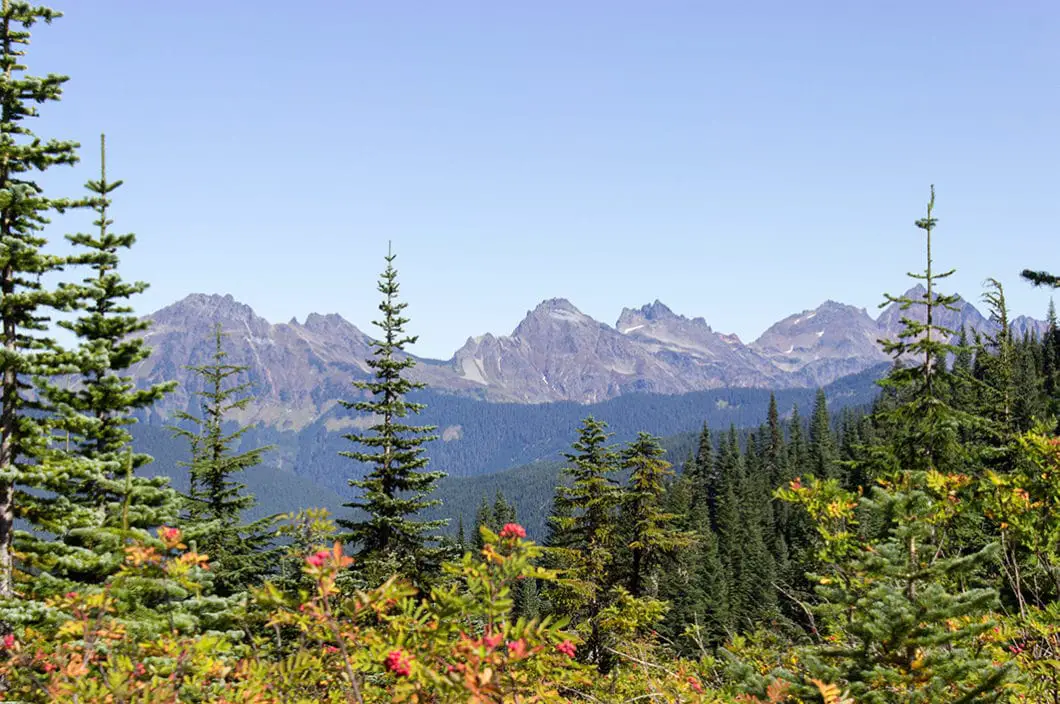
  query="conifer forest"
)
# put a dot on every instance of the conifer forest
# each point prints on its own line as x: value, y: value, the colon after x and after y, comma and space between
x: 907, y: 550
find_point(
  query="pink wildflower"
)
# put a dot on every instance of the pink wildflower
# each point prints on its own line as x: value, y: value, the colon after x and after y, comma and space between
x: 513, y: 530
x: 399, y: 663
x: 567, y: 648
x: 319, y: 558
x: 9, y: 641
x: 517, y: 649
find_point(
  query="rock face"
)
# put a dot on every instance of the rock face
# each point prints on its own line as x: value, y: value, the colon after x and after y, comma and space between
x: 297, y: 370
x: 819, y: 346
x: 557, y: 353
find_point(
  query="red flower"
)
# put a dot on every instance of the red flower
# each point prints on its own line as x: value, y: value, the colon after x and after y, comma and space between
x: 513, y: 530
x: 9, y: 641
x: 517, y: 649
x: 493, y: 641
x: 567, y: 648
x: 330, y: 649
x: 695, y: 685
x: 71, y: 595
x: 139, y: 670
x: 319, y: 558
x: 170, y: 535
x: 399, y: 663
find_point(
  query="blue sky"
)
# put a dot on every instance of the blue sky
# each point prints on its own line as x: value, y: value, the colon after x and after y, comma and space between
x: 739, y: 161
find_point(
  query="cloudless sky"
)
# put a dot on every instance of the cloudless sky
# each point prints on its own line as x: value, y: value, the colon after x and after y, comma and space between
x: 741, y: 161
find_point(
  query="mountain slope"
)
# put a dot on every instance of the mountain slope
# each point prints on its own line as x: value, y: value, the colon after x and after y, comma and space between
x: 556, y: 353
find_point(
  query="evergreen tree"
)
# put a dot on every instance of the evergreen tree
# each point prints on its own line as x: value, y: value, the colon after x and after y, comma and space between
x: 900, y: 627
x: 928, y: 424
x: 585, y: 533
x: 823, y: 454
x: 963, y: 383
x: 798, y: 456
x: 998, y: 369
x: 1051, y: 361
x: 398, y: 486
x: 25, y: 301
x: 705, y: 453
x: 753, y: 567
x: 483, y: 517
x: 461, y: 536
x: 95, y: 411
x: 654, y: 537
x: 503, y: 512
x: 240, y: 553
x: 1041, y: 278
x: 773, y: 457
x: 903, y: 623
x: 695, y: 585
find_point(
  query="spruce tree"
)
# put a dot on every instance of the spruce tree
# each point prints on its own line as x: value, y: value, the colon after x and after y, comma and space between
x: 654, y: 536
x: 773, y: 456
x: 397, y: 487
x: 461, y: 534
x: 584, y: 536
x: 902, y: 621
x: 927, y: 424
x: 25, y: 300
x: 95, y: 410
x: 695, y: 584
x: 240, y: 553
x: 823, y: 455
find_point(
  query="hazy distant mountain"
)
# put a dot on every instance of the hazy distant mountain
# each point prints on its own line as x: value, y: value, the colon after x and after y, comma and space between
x: 821, y: 345
x: 556, y: 353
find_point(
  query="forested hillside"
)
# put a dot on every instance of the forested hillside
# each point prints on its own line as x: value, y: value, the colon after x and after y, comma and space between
x: 863, y: 543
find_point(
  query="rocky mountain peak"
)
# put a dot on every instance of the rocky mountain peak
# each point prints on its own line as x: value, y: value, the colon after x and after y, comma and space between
x: 657, y: 311
x: 212, y: 307
x: 556, y: 353
x: 650, y: 314
x: 550, y: 313
x: 555, y: 305
x: 330, y: 321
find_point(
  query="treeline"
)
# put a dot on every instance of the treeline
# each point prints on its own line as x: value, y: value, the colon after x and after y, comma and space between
x: 904, y: 554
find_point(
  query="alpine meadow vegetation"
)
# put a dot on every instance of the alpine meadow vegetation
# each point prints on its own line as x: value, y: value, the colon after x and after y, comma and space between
x: 904, y: 552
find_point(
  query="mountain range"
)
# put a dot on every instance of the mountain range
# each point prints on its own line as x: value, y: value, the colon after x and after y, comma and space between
x: 556, y: 353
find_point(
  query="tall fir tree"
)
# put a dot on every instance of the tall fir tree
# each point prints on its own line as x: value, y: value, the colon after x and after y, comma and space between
x: 398, y: 486
x: 95, y: 411
x: 696, y: 585
x: 240, y: 553
x: 584, y: 535
x: 823, y: 455
x: 928, y: 437
x: 903, y: 623
x: 26, y: 302
x: 654, y: 537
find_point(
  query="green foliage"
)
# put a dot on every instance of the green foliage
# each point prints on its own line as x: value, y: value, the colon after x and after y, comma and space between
x: 584, y: 538
x: 653, y: 538
x: 26, y: 302
x: 397, y: 487
x: 241, y: 552
x: 109, y: 500
x: 1041, y: 278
